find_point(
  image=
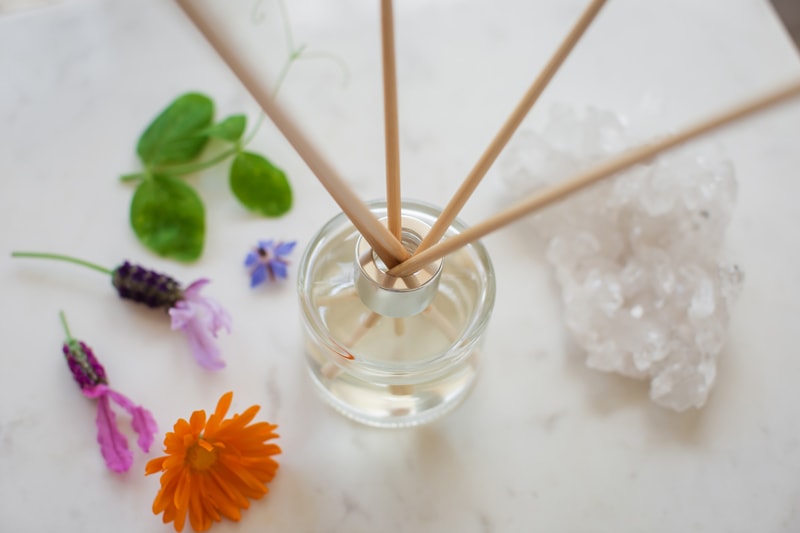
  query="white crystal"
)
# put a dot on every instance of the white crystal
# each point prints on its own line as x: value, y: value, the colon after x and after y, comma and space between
x: 638, y: 256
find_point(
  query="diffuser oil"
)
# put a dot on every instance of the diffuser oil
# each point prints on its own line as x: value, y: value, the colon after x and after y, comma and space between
x: 393, y: 352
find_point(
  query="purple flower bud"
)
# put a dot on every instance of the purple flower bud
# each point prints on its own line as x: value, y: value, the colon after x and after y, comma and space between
x: 86, y: 370
x: 145, y: 286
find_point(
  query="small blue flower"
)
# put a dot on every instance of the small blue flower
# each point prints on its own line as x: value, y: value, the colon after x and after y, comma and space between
x: 268, y: 259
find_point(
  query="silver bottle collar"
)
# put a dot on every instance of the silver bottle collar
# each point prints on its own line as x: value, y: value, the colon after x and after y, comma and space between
x: 395, y: 296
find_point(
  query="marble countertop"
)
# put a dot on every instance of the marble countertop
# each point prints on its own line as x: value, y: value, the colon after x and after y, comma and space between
x: 543, y: 443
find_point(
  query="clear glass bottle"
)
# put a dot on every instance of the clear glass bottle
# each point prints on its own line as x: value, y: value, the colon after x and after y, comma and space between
x: 398, y: 359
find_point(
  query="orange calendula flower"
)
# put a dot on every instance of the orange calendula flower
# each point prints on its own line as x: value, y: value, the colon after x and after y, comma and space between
x: 214, y: 468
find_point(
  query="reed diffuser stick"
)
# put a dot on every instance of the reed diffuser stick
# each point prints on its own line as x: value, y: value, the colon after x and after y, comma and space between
x: 620, y: 162
x: 393, y: 208
x: 450, y: 212
x: 388, y: 248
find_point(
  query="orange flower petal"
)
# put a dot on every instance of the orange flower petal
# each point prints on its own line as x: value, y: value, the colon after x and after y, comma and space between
x: 228, y: 499
x: 183, y: 490
x: 209, y: 499
x: 197, y: 517
x: 180, y: 519
x: 221, y: 484
x: 224, y: 404
x: 197, y: 422
x: 203, y: 443
x: 216, y: 419
x: 169, y: 515
x: 173, y: 461
x: 154, y: 465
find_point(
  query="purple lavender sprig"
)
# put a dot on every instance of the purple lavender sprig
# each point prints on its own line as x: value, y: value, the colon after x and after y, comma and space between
x: 91, y: 377
x: 200, y: 318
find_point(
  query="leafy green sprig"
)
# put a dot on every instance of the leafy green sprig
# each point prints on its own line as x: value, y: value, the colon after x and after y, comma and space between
x: 166, y: 213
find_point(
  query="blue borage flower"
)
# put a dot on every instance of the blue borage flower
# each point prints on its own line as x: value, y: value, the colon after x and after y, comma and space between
x: 268, y: 260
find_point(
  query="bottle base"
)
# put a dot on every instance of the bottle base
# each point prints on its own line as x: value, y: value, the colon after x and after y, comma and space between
x: 397, y: 405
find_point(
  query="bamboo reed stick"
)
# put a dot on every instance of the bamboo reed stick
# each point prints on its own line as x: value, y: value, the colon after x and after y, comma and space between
x: 390, y: 121
x: 367, y: 324
x: 620, y: 162
x: 388, y: 248
x: 450, y: 212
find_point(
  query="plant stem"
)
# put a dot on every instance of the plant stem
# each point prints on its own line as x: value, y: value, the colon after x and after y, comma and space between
x: 65, y: 325
x: 66, y: 258
x: 137, y: 176
x: 180, y: 170
x: 294, y: 53
x: 282, y: 74
x: 330, y: 57
x: 287, y: 27
x: 252, y: 134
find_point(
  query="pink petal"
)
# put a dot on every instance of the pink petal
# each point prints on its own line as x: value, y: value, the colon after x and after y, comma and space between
x: 145, y: 425
x: 195, y: 287
x: 113, y: 444
x: 220, y: 319
x: 201, y: 319
x: 203, y: 347
x: 142, y: 421
x: 181, y: 315
x: 209, y: 310
x: 95, y: 392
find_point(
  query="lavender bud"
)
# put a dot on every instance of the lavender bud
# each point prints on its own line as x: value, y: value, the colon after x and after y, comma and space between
x: 86, y: 370
x: 139, y: 284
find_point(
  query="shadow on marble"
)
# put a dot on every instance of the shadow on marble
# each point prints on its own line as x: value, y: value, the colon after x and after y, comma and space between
x: 607, y: 393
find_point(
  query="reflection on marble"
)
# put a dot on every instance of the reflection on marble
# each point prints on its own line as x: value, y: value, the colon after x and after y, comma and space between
x: 542, y: 443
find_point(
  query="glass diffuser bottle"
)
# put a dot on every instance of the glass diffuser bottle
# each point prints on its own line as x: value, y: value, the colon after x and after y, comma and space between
x: 389, y: 351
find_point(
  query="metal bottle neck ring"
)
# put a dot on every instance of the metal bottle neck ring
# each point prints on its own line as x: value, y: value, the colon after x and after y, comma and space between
x: 396, y: 296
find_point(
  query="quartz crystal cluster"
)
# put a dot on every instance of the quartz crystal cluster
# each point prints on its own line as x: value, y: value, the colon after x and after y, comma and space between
x: 638, y: 256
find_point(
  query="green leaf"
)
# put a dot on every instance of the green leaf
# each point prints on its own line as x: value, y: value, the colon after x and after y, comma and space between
x: 175, y: 135
x: 168, y: 217
x: 231, y: 129
x: 259, y: 185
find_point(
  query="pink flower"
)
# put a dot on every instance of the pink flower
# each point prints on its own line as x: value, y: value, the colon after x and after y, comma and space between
x: 91, y: 377
x: 113, y: 444
x: 201, y: 318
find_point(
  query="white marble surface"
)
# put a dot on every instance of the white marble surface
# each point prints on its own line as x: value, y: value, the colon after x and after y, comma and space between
x: 542, y: 444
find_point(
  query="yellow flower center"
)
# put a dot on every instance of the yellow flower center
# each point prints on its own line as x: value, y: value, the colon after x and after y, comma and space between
x: 201, y: 456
